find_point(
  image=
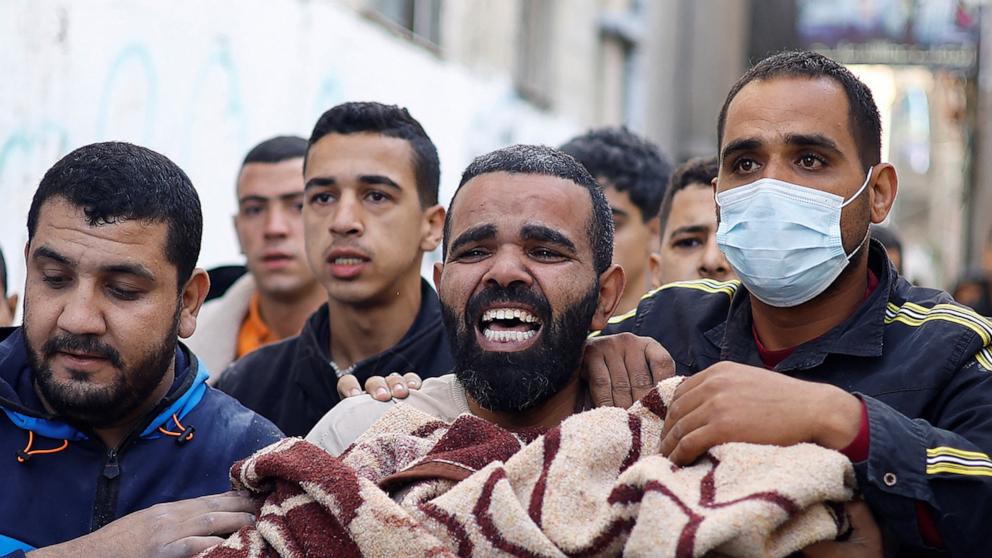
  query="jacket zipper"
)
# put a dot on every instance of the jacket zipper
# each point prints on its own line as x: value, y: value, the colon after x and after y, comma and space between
x: 107, y: 490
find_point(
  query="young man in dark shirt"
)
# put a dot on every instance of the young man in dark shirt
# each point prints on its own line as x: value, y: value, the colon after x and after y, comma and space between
x: 370, y: 213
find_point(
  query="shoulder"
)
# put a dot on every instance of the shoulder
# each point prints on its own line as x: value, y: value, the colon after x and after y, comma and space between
x: 259, y: 368
x: 346, y: 421
x: 234, y: 425
x: 930, y: 315
x: 675, y: 303
x: 441, y: 397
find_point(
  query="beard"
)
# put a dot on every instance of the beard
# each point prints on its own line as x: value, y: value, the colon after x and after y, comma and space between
x: 521, y: 380
x: 78, y: 400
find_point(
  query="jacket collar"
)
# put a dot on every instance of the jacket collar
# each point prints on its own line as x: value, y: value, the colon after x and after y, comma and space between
x: 21, y: 404
x: 860, y: 335
x: 314, y: 348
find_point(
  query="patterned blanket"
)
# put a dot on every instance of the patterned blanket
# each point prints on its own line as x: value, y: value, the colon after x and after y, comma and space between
x: 413, y: 486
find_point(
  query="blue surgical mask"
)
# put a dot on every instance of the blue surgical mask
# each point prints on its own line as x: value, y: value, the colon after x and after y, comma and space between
x: 784, y: 240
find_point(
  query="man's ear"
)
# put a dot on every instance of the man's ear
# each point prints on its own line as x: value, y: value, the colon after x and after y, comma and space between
x: 432, y: 228
x: 438, y: 268
x: 237, y: 233
x: 193, y: 295
x: 882, y: 194
x: 654, y: 266
x: 611, y: 283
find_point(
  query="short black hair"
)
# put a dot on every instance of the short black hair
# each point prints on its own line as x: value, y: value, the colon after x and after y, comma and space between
x: 862, y: 119
x: 547, y: 161
x: 117, y: 181
x: 277, y: 150
x: 630, y: 162
x: 391, y: 121
x: 700, y: 170
x: 3, y: 274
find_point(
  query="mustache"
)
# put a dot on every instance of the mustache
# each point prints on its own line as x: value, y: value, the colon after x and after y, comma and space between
x: 84, y: 344
x: 496, y: 294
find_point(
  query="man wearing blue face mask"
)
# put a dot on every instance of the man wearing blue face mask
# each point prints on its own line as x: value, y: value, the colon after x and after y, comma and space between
x: 821, y: 341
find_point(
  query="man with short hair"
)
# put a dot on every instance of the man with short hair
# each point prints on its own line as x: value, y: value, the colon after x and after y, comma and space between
x: 8, y: 303
x: 273, y: 300
x: 688, y: 223
x: 370, y: 213
x: 822, y: 341
x: 105, y: 412
x: 633, y: 172
x: 527, y: 272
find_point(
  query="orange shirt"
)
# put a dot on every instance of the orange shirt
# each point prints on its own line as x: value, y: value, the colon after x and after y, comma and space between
x: 254, y: 333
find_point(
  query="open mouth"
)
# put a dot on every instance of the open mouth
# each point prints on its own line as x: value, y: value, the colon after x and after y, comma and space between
x: 509, y: 328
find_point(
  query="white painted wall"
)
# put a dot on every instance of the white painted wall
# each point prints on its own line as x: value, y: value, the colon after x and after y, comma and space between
x: 202, y: 82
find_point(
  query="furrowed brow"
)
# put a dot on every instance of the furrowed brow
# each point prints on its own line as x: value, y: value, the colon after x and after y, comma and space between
x: 380, y: 180
x: 812, y: 140
x: 137, y: 270
x: 547, y: 234
x: 474, y: 234
x: 319, y: 181
x: 738, y: 145
x: 46, y: 253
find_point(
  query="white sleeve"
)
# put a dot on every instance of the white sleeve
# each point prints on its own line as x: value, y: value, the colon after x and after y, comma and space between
x: 348, y: 420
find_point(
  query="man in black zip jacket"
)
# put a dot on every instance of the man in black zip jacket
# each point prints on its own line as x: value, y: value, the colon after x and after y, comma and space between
x: 370, y: 213
x: 821, y: 341
x: 113, y: 444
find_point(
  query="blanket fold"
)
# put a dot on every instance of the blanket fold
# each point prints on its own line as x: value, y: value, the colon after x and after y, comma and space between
x: 593, y: 486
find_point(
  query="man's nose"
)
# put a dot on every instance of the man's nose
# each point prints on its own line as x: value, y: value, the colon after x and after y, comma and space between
x: 347, y: 218
x: 713, y: 264
x: 276, y: 223
x: 507, y: 266
x: 81, y: 314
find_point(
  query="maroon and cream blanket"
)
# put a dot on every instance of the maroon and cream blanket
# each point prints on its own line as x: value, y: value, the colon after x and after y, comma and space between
x: 413, y: 486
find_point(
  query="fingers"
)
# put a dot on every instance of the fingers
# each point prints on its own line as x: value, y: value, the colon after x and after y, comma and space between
x: 678, y: 428
x: 214, y: 524
x: 376, y: 387
x: 661, y: 362
x: 348, y: 386
x: 692, y: 445
x: 412, y: 380
x: 396, y: 385
x: 596, y: 375
x: 189, y: 546
x: 648, y: 368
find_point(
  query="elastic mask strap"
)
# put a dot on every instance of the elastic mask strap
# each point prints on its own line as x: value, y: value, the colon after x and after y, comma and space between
x: 855, y: 251
x: 861, y: 189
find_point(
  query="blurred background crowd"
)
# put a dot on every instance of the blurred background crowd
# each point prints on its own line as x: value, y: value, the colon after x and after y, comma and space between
x: 204, y: 82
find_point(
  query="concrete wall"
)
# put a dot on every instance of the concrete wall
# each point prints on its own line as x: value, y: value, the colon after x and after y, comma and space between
x: 204, y: 81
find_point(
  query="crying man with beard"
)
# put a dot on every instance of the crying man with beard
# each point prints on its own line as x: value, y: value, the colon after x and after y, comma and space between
x: 527, y: 274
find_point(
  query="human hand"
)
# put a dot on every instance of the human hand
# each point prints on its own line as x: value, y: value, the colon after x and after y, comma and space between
x: 620, y: 369
x: 731, y: 402
x: 382, y: 389
x: 865, y: 540
x: 171, y: 530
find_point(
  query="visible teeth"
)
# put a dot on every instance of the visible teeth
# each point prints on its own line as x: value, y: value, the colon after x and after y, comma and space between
x: 347, y: 261
x: 508, y: 314
x: 508, y: 336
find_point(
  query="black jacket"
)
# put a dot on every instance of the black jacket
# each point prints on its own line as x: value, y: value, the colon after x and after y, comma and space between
x: 53, y: 496
x: 920, y: 362
x: 292, y: 383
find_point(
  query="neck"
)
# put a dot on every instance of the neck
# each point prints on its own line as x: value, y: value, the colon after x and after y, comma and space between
x: 635, y: 289
x: 784, y: 328
x: 360, y: 332
x: 546, y: 415
x: 285, y: 317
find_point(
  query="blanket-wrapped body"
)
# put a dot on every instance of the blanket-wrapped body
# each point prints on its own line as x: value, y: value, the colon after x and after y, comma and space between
x: 595, y: 485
